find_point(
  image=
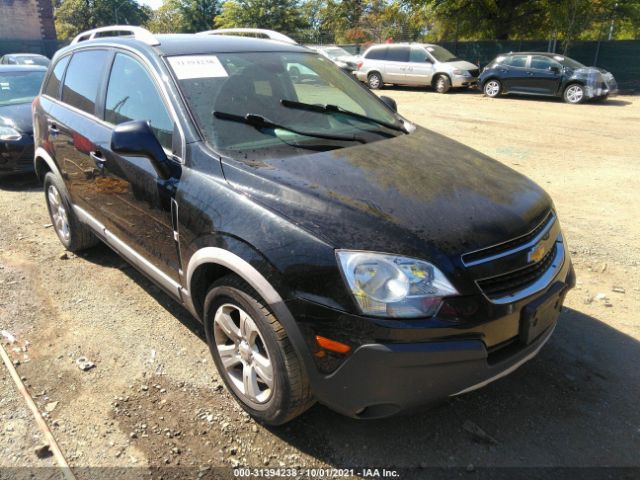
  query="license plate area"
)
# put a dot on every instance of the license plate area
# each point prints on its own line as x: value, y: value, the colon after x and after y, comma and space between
x: 540, y: 314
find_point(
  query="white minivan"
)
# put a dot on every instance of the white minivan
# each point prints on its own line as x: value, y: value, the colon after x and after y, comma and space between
x: 419, y: 64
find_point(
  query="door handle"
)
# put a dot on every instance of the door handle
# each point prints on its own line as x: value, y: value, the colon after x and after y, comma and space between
x: 97, y: 158
x: 53, y: 129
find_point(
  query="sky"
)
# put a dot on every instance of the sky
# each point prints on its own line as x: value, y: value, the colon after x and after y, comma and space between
x: 152, y: 3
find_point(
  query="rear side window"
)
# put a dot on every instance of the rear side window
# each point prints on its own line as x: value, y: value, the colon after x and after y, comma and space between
x: 53, y: 84
x: 82, y: 79
x: 519, y: 61
x: 132, y: 95
x: 377, y: 54
x: 398, y: 54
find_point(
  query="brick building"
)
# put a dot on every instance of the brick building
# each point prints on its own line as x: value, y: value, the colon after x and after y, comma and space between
x: 26, y: 20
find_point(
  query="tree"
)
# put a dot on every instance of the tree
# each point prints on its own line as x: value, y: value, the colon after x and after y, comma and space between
x: 198, y: 15
x: 75, y: 16
x: 281, y: 15
x: 167, y: 18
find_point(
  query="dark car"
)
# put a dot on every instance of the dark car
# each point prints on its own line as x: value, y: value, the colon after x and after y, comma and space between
x: 19, y: 85
x: 546, y: 74
x: 333, y: 250
x: 24, y: 59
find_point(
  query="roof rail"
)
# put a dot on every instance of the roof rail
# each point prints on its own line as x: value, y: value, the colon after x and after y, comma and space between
x: 270, y: 34
x: 137, y: 33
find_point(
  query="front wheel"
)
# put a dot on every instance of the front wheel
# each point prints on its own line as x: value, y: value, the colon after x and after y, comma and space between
x: 253, y: 353
x: 492, y: 88
x: 442, y: 84
x: 574, y: 93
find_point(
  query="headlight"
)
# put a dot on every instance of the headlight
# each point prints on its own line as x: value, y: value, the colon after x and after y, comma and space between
x: 461, y: 72
x: 393, y: 286
x: 9, y: 134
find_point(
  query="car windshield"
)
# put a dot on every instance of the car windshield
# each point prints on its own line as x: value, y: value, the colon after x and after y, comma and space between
x: 441, y: 54
x: 336, y: 52
x: 569, y: 62
x: 288, y: 89
x: 19, y: 87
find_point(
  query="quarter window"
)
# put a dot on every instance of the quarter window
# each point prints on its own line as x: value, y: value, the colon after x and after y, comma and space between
x: 53, y: 84
x: 398, y: 54
x: 377, y: 54
x: 82, y: 79
x: 132, y: 95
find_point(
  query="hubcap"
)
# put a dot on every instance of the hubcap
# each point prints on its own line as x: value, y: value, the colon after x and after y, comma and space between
x: 244, y: 353
x: 58, y: 213
x: 574, y: 93
x: 374, y: 81
x: 492, y: 88
x: 440, y: 84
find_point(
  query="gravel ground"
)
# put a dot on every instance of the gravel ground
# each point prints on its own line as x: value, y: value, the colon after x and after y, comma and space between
x: 154, y: 398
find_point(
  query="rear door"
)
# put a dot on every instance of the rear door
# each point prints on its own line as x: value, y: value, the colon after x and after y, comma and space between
x: 396, y: 64
x: 75, y: 127
x: 133, y: 202
x: 516, y: 74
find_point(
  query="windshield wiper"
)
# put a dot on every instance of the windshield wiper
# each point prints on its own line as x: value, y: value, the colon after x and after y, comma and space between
x: 259, y: 122
x: 328, y: 108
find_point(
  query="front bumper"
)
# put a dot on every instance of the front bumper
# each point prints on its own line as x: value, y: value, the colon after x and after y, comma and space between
x: 16, y: 157
x: 407, y: 370
x: 463, y: 81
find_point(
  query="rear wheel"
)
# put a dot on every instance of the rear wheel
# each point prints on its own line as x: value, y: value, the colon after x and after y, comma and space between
x: 492, y: 88
x: 574, y: 93
x: 442, y: 84
x: 73, y: 234
x: 374, y: 80
x: 253, y: 353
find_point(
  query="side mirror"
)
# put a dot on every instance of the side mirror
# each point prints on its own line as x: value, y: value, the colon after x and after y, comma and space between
x: 136, y: 138
x: 389, y: 102
x: 555, y: 69
x: 428, y: 60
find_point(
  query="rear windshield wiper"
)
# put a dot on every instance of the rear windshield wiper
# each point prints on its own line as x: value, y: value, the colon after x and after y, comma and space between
x: 259, y: 122
x: 328, y: 108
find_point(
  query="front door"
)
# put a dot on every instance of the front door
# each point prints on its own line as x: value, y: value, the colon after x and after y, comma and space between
x: 545, y: 75
x: 135, y: 204
x: 421, y: 67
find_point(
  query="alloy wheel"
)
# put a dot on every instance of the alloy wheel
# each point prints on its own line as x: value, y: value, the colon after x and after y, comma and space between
x: 243, y: 353
x: 574, y: 94
x: 492, y: 88
x: 58, y: 213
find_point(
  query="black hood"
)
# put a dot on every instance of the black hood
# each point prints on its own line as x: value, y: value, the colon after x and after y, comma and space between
x: 419, y: 194
x: 17, y: 116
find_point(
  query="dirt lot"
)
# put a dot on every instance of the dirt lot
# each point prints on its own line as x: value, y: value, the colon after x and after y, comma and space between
x: 154, y: 398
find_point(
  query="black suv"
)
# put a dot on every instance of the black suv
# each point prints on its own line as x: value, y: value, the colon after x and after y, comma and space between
x: 546, y: 74
x: 333, y: 250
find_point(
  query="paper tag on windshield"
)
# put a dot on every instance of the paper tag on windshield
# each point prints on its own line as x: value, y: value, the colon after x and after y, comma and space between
x: 197, y: 66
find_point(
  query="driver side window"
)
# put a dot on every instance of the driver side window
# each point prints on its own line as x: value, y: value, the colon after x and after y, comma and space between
x: 543, y: 63
x: 132, y: 95
x: 418, y: 55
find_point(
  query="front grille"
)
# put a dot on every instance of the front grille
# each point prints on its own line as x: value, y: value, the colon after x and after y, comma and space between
x: 512, y: 282
x: 475, y: 73
x: 488, y: 252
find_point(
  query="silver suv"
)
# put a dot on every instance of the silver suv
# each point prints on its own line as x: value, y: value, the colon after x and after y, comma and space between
x: 415, y: 64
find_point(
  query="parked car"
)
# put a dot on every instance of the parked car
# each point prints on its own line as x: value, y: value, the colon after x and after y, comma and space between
x: 339, y: 56
x: 333, y: 250
x: 546, y: 74
x: 24, y: 59
x: 19, y: 85
x: 415, y: 64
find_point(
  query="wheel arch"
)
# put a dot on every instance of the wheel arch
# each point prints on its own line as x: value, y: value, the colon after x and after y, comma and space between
x: 43, y: 163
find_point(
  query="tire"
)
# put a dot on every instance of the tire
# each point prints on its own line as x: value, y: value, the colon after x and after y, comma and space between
x: 574, y: 94
x: 72, y: 233
x: 442, y: 84
x: 492, y: 88
x: 374, y: 81
x: 255, y: 346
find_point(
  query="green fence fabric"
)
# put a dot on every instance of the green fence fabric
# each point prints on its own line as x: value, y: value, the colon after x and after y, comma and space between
x: 620, y: 57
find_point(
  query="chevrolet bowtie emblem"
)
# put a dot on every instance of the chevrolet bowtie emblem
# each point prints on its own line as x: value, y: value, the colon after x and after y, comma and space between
x: 536, y: 254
